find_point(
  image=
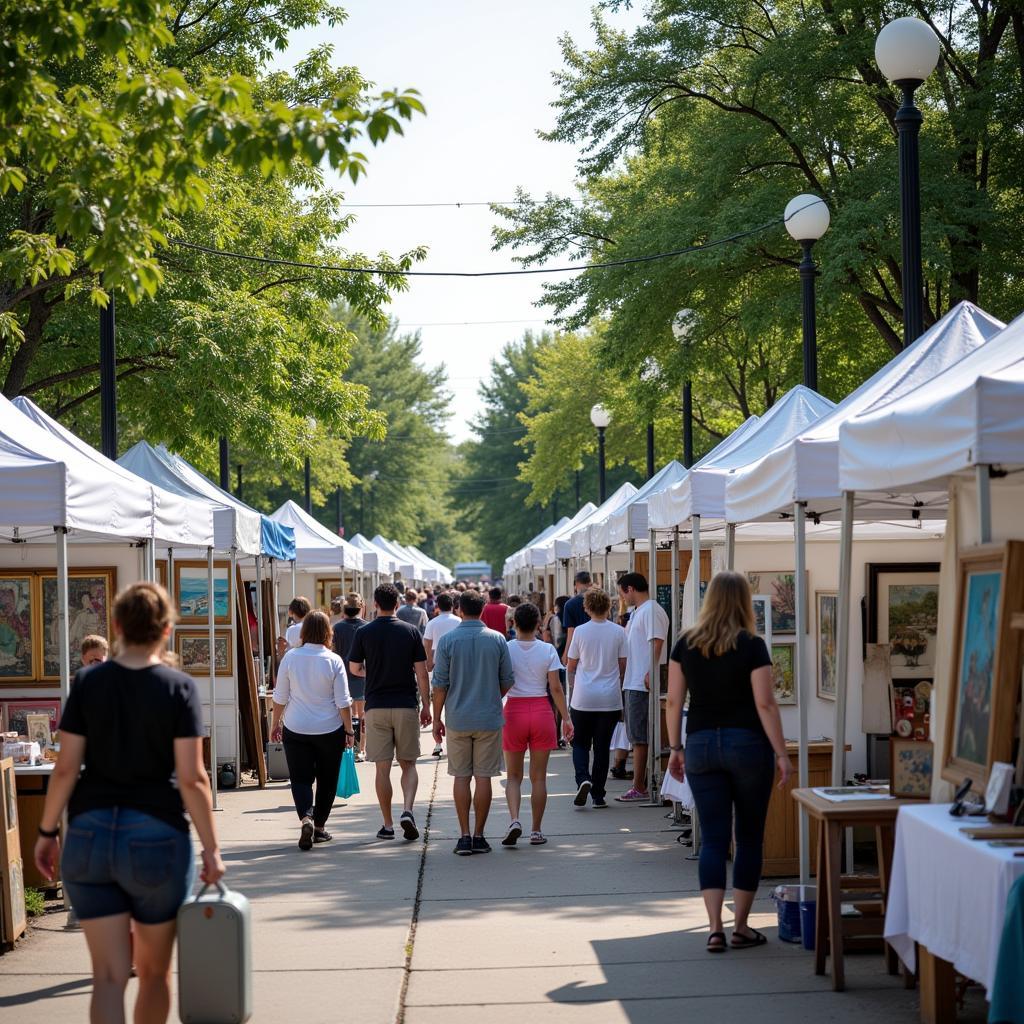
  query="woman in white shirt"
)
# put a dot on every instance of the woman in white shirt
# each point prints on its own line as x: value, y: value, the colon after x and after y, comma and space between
x: 530, y: 722
x: 312, y: 698
x: 597, y: 654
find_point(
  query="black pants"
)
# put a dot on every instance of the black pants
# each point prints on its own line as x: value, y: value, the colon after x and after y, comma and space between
x: 314, y: 759
x: 592, y: 729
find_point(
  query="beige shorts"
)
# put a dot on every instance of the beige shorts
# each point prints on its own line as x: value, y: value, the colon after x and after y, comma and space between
x: 474, y: 753
x: 391, y: 731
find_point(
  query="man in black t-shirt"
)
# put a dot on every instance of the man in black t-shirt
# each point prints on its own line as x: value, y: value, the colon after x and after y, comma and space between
x: 573, y: 614
x: 390, y: 654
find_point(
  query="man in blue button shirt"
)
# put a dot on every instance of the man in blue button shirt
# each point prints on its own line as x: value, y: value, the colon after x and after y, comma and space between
x: 472, y: 671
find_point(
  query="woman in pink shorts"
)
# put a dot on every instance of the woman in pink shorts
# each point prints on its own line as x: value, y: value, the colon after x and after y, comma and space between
x: 530, y: 721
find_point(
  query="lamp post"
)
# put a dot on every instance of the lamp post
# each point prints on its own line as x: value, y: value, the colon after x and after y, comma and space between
x: 807, y: 219
x: 681, y: 327
x: 238, y: 484
x: 600, y: 417
x: 906, y: 52
x: 225, y: 469
x: 108, y: 379
x: 649, y: 375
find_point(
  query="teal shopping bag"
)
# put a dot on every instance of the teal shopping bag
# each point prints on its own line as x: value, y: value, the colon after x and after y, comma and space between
x: 348, y: 779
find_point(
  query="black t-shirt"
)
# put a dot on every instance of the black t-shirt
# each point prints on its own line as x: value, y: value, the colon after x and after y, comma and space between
x: 721, y: 695
x: 388, y: 648
x: 344, y: 632
x: 573, y: 614
x: 130, y: 719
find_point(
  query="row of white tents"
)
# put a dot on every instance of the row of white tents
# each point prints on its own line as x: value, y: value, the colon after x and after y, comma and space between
x: 884, y: 462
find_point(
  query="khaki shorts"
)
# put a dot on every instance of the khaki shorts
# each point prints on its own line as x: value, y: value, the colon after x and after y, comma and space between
x: 474, y: 753
x: 391, y: 731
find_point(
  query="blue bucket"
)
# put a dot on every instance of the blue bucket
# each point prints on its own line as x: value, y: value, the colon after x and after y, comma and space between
x: 808, y: 915
x: 787, y: 904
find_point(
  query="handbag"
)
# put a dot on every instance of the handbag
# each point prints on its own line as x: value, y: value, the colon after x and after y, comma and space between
x: 348, y: 778
x: 620, y: 739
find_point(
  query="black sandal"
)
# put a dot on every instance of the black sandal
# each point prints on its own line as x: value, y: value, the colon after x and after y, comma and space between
x: 718, y: 938
x: 748, y: 941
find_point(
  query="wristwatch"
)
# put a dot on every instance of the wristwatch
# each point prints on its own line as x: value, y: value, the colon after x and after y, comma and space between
x: 675, y: 750
x: 47, y: 834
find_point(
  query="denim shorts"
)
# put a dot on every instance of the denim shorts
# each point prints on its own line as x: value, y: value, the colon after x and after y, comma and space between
x: 121, y: 861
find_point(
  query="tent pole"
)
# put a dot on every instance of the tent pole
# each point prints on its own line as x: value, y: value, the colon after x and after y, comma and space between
x: 695, y: 567
x: 233, y: 639
x: 607, y: 574
x: 170, y: 588
x: 843, y: 610
x: 590, y: 565
x: 259, y: 622
x: 984, y: 482
x: 730, y: 546
x: 632, y: 555
x: 210, y: 602
x: 654, y: 691
x: 152, y: 559
x: 63, y: 640
x: 273, y: 596
x: 675, y: 584
x: 801, y: 680
x: 294, y: 580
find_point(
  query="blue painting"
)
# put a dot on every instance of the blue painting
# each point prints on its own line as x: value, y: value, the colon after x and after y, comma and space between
x: 192, y: 593
x: 979, y: 630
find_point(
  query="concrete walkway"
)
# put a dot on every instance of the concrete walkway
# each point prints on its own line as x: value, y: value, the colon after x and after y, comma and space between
x: 604, y: 924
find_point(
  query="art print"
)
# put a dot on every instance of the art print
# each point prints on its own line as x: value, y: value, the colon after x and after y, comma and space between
x: 193, y: 650
x: 783, y: 673
x: 903, y: 611
x: 90, y: 595
x: 781, y: 588
x: 762, y: 622
x: 912, y: 768
x: 38, y: 729
x: 828, y: 620
x: 16, y: 714
x: 17, y: 628
x: 191, y: 592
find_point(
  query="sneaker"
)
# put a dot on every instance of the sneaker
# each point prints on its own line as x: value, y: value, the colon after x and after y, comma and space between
x: 600, y: 802
x: 537, y: 839
x: 618, y: 773
x: 480, y: 845
x: 438, y: 750
x: 464, y: 847
x: 360, y: 756
x: 515, y: 830
x: 582, y: 793
x: 306, y: 835
x: 321, y: 835
x: 633, y: 796
x: 386, y: 833
x: 408, y: 823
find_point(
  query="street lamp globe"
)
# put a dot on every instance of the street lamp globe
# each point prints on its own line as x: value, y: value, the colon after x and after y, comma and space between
x: 907, y: 50
x: 600, y: 416
x: 682, y: 324
x: 807, y: 218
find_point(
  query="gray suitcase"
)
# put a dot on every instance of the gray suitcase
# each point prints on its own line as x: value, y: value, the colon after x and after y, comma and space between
x: 277, y: 763
x: 215, y: 958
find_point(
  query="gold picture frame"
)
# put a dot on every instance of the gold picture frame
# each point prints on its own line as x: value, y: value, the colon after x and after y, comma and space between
x: 19, y: 627
x: 193, y: 645
x: 91, y: 592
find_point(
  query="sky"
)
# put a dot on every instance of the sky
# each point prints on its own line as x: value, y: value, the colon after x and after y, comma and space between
x: 484, y: 72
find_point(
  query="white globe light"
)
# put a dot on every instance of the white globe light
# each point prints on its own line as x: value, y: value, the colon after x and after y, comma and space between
x: 807, y: 218
x: 600, y: 416
x: 683, y: 324
x: 907, y: 50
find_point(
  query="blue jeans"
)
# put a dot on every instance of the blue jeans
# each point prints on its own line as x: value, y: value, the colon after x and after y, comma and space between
x: 121, y: 861
x: 730, y: 769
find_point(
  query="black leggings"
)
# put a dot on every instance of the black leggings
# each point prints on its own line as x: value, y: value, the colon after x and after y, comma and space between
x: 593, y: 730
x: 314, y: 758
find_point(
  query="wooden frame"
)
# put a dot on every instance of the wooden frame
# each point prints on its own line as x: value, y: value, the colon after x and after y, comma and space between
x: 826, y: 610
x: 15, y: 713
x: 184, y: 638
x: 918, y: 575
x: 82, y: 620
x: 196, y: 569
x: 17, y: 585
x: 986, y: 662
x: 911, y: 768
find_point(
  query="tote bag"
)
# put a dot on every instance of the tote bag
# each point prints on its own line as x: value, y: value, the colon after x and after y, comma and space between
x: 348, y: 779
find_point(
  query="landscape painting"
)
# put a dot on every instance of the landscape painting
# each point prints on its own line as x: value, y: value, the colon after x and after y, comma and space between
x: 828, y: 618
x: 191, y: 591
x: 781, y: 588
x: 193, y: 649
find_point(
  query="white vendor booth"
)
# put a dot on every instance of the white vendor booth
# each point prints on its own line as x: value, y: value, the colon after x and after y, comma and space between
x: 580, y: 539
x: 515, y: 572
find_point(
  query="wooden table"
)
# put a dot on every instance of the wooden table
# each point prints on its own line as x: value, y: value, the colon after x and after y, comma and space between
x: 33, y: 782
x: 833, y: 885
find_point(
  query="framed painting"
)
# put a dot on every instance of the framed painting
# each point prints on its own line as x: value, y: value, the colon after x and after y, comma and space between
x: 39, y: 729
x: 90, y: 596
x: 781, y: 588
x: 17, y: 712
x: 827, y: 604
x: 784, y: 672
x: 911, y: 769
x: 193, y: 649
x: 18, y: 627
x: 903, y: 611
x: 762, y: 617
x: 191, y: 592
x: 986, y: 669
x: 327, y: 590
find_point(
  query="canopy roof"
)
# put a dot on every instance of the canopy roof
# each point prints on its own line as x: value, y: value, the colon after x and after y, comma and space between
x: 375, y: 559
x: 702, y: 491
x: 315, y: 546
x: 579, y: 539
x: 806, y: 468
x: 409, y: 564
x: 176, y: 519
x: 556, y: 544
x: 629, y: 520
x: 519, y: 559
x: 971, y: 414
x: 445, y: 574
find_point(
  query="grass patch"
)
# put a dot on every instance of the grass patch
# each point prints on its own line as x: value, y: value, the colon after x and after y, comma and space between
x: 35, y: 903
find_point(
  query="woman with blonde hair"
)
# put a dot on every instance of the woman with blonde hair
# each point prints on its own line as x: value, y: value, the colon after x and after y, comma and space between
x: 733, y: 743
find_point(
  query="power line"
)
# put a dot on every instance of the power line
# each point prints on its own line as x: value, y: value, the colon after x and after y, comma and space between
x: 458, y: 204
x: 468, y: 323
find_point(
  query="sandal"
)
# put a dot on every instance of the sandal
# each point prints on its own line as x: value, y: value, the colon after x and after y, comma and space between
x: 748, y: 941
x: 537, y: 839
x: 716, y: 942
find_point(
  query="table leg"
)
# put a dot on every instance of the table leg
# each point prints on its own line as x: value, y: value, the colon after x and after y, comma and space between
x: 821, y: 909
x: 938, y: 988
x: 885, y: 841
x: 834, y: 873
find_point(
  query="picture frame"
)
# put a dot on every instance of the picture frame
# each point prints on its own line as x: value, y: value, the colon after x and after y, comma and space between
x: 780, y: 585
x: 826, y: 603
x: 762, y: 617
x: 903, y: 611
x: 38, y: 728
x: 19, y: 627
x: 911, y: 766
x: 91, y: 594
x: 193, y: 649
x: 784, y: 672
x: 16, y: 712
x: 191, y: 592
x: 985, y: 675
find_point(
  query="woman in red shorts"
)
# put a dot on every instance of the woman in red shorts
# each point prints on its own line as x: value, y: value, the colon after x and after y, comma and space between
x: 530, y: 722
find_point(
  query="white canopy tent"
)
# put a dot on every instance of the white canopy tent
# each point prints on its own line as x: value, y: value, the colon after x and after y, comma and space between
x: 375, y: 559
x: 579, y: 539
x: 445, y: 574
x: 408, y: 565
x: 629, y: 521
x: 515, y: 565
x: 557, y: 544
x: 316, y: 548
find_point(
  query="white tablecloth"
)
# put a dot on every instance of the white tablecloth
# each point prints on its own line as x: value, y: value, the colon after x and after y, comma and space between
x: 948, y: 892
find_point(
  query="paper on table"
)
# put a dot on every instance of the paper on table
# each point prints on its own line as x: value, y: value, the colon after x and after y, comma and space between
x: 844, y: 794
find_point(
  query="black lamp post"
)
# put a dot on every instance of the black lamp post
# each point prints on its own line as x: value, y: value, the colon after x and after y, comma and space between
x: 650, y: 450
x: 238, y: 487
x: 906, y: 52
x: 807, y: 219
x: 225, y: 471
x: 108, y: 380
x: 681, y: 327
x: 600, y: 417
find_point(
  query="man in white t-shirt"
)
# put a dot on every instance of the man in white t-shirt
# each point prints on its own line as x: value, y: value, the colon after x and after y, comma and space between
x: 444, y: 622
x: 298, y: 609
x: 647, y: 624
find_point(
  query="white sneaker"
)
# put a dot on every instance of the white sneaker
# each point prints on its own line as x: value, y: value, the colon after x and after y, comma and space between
x: 438, y: 750
x: 515, y: 830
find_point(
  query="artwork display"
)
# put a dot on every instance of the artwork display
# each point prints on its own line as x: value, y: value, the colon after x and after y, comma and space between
x: 90, y: 595
x: 38, y: 730
x: 912, y: 766
x: 17, y: 712
x: 17, y: 627
x: 827, y: 603
x: 903, y: 611
x: 762, y: 622
x: 191, y: 592
x: 784, y: 672
x: 978, y: 627
x: 193, y: 649
x: 781, y: 588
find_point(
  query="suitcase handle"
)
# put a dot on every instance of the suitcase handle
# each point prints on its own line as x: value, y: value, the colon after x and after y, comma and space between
x: 220, y: 886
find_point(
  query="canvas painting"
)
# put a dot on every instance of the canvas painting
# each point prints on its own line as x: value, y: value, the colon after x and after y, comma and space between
x: 762, y: 604
x: 16, y: 628
x: 90, y: 596
x: 903, y: 611
x: 16, y: 714
x: 781, y: 588
x: 191, y: 591
x: 828, y: 618
x: 193, y: 648
x: 978, y: 630
x: 784, y: 673
x: 912, y: 764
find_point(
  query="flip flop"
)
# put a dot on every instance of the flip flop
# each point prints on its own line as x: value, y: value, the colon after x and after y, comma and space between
x: 748, y: 941
x: 537, y: 839
x: 719, y: 946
